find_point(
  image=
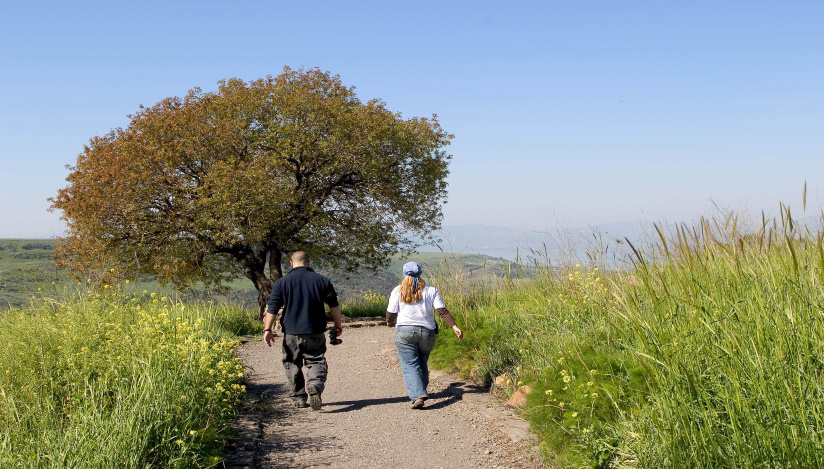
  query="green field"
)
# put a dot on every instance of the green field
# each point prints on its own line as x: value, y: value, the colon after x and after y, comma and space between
x: 25, y: 266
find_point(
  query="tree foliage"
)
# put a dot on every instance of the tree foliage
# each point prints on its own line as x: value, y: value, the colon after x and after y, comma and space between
x: 210, y: 186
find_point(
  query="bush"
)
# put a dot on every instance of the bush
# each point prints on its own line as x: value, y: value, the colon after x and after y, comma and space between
x: 30, y: 246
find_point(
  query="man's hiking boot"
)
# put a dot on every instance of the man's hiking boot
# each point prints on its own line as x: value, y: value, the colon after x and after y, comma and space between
x: 314, y: 397
x: 300, y: 403
x: 418, y: 404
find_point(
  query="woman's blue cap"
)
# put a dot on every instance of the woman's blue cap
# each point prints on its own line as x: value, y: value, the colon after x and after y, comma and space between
x: 412, y: 269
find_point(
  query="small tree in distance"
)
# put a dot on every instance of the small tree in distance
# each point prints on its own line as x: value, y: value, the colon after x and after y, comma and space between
x: 210, y: 187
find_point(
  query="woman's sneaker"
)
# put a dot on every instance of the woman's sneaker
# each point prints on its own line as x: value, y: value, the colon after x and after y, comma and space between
x: 314, y: 397
x: 418, y: 404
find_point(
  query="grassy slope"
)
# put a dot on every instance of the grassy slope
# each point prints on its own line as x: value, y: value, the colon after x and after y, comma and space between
x: 709, y: 357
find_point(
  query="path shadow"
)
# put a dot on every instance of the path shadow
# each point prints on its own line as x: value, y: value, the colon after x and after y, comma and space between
x: 264, y: 391
x: 269, y: 431
x: 284, y: 442
x: 448, y: 396
x: 360, y: 404
x: 453, y: 393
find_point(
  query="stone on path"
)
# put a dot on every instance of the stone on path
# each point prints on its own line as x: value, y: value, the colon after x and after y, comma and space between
x: 519, y: 397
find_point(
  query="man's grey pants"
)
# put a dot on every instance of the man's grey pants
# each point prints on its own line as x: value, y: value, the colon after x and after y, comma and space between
x: 304, y: 350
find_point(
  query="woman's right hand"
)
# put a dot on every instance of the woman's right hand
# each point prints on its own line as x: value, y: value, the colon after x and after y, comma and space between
x: 458, y: 332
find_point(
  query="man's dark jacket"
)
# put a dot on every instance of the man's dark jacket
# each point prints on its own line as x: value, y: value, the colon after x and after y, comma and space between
x: 302, y: 293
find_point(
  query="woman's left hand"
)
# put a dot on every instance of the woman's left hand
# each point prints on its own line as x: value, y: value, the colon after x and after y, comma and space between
x: 458, y: 332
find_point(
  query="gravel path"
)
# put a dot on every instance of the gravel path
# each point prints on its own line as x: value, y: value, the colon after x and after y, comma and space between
x: 366, y: 421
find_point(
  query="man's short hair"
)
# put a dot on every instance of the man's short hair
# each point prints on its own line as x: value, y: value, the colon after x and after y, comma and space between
x: 300, y: 257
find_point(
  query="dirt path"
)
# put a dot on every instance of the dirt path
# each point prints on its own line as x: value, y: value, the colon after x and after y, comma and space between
x: 366, y: 421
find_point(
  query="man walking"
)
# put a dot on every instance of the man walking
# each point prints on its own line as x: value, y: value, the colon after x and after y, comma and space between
x: 302, y: 294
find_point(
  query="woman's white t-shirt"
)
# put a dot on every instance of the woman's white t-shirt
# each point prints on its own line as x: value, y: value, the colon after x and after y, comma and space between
x: 421, y: 313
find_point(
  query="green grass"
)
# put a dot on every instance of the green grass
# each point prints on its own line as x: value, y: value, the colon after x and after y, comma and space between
x: 113, y: 379
x: 371, y: 305
x: 706, y: 353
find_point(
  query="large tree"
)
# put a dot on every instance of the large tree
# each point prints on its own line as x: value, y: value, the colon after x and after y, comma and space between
x: 212, y: 186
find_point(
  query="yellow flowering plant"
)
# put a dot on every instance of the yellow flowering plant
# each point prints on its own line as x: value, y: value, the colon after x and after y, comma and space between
x: 101, y: 363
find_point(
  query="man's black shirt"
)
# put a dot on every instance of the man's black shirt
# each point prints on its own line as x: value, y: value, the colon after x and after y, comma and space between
x: 302, y: 293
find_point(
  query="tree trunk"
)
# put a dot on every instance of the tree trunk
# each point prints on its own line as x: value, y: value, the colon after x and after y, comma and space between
x: 264, y: 284
x: 264, y: 288
x: 275, y: 273
x: 254, y: 269
x: 275, y: 267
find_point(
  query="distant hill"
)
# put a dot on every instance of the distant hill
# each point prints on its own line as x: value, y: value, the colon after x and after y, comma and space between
x: 470, y: 266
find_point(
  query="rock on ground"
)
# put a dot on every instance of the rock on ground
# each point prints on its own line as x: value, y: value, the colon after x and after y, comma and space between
x: 366, y: 420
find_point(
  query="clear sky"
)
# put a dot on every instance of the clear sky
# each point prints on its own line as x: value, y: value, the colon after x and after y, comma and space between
x: 573, y: 111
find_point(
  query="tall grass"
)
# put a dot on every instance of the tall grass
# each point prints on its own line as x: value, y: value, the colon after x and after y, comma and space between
x: 706, y: 352
x: 116, y: 380
x: 732, y: 326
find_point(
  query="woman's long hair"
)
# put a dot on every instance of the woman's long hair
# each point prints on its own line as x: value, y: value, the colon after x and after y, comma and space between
x: 408, y: 293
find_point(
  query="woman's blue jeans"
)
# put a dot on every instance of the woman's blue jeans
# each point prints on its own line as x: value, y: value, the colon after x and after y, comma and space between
x: 414, y: 344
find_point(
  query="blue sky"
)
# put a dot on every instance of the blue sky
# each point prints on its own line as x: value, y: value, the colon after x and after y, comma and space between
x: 575, y: 111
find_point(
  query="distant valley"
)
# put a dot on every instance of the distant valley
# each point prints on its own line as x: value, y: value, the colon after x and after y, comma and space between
x: 26, y: 265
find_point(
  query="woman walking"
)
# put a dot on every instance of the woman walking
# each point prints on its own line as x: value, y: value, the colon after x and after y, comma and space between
x: 411, y: 307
